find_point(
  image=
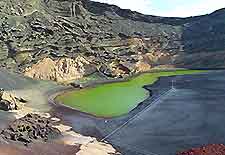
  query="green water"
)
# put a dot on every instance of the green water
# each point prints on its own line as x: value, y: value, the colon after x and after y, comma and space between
x: 114, y: 99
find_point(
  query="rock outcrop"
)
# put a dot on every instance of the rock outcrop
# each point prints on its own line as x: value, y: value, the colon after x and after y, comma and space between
x: 35, y: 129
x: 60, y: 70
x: 10, y: 102
x: 30, y: 128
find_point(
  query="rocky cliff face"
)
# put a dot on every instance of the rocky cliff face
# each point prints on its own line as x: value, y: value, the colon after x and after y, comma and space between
x: 116, y: 42
x: 61, y: 70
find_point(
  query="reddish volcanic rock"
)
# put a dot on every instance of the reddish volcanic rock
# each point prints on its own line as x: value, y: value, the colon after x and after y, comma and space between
x: 214, y: 149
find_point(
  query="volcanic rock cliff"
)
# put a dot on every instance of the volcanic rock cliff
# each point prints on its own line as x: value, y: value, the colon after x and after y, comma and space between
x: 113, y: 41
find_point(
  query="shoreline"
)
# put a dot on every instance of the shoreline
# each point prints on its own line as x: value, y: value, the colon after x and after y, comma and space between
x: 69, y: 139
x: 92, y: 84
x: 87, y: 125
x: 71, y: 135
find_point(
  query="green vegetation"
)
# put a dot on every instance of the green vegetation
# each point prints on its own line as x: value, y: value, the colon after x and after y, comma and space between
x: 114, y: 99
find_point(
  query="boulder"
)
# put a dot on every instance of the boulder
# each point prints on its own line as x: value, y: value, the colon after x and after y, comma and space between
x: 77, y: 85
x: 7, y: 106
x: 104, y: 69
x: 30, y: 128
x: 10, y: 102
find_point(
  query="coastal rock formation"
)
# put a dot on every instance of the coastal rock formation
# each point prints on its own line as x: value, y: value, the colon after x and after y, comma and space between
x: 30, y: 128
x: 7, y: 106
x: 35, y: 130
x: 10, y: 102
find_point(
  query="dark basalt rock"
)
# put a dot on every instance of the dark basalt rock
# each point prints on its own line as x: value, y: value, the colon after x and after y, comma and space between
x: 106, y: 71
x: 7, y: 106
x: 21, y: 100
x: 76, y: 85
x: 30, y: 128
x: 1, y: 93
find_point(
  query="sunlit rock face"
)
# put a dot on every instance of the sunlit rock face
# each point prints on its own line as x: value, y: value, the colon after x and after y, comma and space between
x: 60, y: 70
x: 9, y: 101
x: 116, y: 42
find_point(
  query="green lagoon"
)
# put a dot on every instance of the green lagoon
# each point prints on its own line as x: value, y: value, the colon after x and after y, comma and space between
x: 114, y: 99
